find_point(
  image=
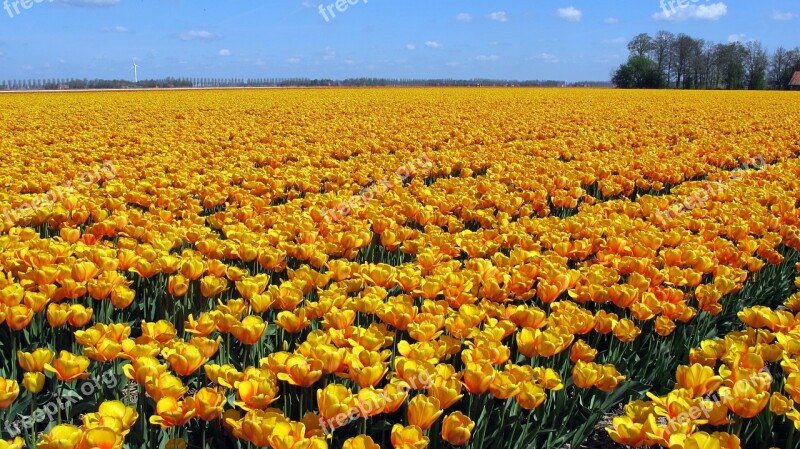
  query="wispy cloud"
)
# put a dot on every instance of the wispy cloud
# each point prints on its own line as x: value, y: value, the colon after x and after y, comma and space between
x: 464, y: 17
x: 411, y: 47
x: 783, y: 16
x: 224, y: 52
x: 195, y: 35
x: 117, y: 29
x: 487, y: 58
x: 736, y: 37
x: 615, y: 41
x: 710, y: 12
x: 499, y: 16
x: 571, y: 14
x: 433, y: 44
x: 611, y: 20
x: 89, y: 3
x: 545, y: 57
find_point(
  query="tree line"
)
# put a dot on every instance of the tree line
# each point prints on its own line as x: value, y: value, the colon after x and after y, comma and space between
x: 67, y: 84
x: 680, y: 61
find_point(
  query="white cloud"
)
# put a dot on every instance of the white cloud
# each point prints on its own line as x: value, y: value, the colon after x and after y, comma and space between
x: 571, y: 14
x: 545, y: 57
x: 200, y: 35
x: 294, y: 60
x: 89, y: 3
x: 329, y: 55
x: 464, y: 17
x: 487, y: 58
x: 499, y: 16
x: 739, y: 38
x: 411, y: 47
x: 710, y: 12
x: 615, y: 41
x: 117, y: 29
x: 224, y: 52
x: 433, y: 44
x: 783, y: 16
x: 611, y: 20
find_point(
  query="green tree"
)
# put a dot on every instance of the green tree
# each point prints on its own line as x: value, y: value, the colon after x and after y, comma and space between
x: 638, y: 73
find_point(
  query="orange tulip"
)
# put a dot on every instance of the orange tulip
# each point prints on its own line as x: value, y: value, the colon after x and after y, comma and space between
x: 18, y: 317
x: 58, y: 314
x: 61, y: 436
x: 172, y: 413
x: 165, y: 386
x: 209, y: 403
x: 35, y: 361
x: 301, y: 371
x: 33, y: 382
x: 334, y: 402
x: 250, y: 330
x: 360, y: 442
x: 256, y: 394
x: 698, y: 378
x: 184, y: 358
x: 177, y: 285
x: 69, y: 367
x: 423, y: 411
x: 203, y: 326
x: 478, y: 377
x: 9, y: 391
x: 80, y: 316
x: 410, y: 437
x: 457, y: 429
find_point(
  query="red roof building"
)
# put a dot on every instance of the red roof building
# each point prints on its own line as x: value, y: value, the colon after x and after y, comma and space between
x: 795, y: 82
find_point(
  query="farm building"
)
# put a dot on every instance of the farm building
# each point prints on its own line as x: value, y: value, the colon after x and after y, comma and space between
x: 794, y: 84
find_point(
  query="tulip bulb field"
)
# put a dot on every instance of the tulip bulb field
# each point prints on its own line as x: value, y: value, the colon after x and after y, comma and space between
x: 400, y: 268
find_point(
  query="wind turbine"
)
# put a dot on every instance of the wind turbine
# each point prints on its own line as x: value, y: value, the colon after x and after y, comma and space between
x: 135, y: 72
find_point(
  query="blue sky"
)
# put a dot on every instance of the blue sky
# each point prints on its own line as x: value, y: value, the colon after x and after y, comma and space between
x: 569, y: 40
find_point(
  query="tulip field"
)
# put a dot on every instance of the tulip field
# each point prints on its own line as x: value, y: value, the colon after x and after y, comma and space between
x: 400, y: 268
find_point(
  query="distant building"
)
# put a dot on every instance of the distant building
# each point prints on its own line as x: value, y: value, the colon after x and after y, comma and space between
x: 795, y: 82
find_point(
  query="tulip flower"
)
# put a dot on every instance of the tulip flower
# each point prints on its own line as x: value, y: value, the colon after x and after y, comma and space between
x: 35, y: 361
x: 171, y: 413
x: 69, y: 367
x: 9, y: 391
x: 16, y: 443
x: 410, y: 437
x: 457, y: 429
x: 423, y: 411
x: 250, y: 330
x: 33, y: 382
x: 209, y: 403
x: 184, y: 359
x: 60, y: 437
x: 360, y: 442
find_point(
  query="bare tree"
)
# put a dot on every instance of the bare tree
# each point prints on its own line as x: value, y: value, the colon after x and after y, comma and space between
x: 661, y: 53
x: 640, y: 45
x: 755, y: 64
